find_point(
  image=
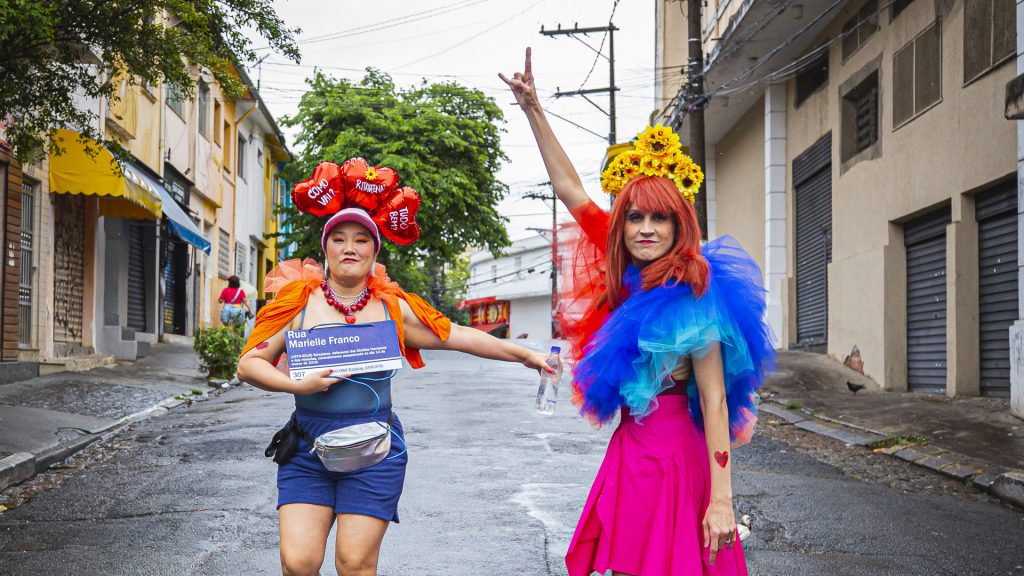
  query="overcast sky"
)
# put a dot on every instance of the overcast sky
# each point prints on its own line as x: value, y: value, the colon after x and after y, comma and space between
x: 470, y: 41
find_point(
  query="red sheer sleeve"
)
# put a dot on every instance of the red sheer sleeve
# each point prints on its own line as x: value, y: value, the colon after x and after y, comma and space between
x: 594, y: 222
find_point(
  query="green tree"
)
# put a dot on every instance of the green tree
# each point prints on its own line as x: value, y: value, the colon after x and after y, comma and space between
x: 444, y: 141
x: 51, y: 50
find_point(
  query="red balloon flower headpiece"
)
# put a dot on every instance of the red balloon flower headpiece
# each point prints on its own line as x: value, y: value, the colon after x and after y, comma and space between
x: 356, y: 184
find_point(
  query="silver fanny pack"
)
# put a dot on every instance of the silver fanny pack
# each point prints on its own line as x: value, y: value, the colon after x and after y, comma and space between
x: 354, y: 447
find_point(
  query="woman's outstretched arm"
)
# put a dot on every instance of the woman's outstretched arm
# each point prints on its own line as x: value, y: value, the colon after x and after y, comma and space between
x: 564, y: 179
x: 720, y: 519
x: 469, y: 341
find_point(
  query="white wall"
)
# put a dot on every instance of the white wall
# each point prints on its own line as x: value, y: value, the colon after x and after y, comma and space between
x: 531, y: 316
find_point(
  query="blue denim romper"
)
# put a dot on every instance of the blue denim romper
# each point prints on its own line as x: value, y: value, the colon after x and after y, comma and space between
x: 372, y: 491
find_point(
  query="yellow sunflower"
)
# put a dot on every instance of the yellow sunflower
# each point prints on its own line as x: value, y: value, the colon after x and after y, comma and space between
x: 658, y: 141
x: 652, y: 166
x: 371, y: 174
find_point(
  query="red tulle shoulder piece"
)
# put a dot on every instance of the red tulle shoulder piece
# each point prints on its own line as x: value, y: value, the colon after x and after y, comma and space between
x: 581, y: 313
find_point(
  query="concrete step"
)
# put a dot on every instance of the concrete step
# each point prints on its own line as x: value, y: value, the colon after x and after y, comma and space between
x: 17, y: 371
x: 75, y: 363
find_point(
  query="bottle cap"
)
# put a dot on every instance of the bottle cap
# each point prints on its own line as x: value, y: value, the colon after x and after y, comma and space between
x: 556, y: 349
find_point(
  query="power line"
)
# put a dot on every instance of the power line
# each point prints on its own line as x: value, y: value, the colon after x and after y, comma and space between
x: 389, y: 23
x: 474, y: 36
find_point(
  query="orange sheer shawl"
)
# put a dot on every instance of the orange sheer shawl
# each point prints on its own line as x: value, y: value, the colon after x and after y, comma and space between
x: 293, y: 281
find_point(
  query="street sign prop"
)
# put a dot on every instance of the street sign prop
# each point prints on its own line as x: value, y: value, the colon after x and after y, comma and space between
x: 345, y: 349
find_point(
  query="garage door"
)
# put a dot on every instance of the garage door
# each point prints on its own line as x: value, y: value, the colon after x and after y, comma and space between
x: 925, y: 240
x: 812, y: 182
x: 997, y: 285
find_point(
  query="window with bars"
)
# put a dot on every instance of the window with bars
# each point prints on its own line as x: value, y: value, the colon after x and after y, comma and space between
x: 26, y: 280
x: 224, y: 254
x: 859, y: 28
x: 917, y: 76
x: 860, y: 117
x: 811, y: 78
x: 240, y: 263
x: 990, y: 35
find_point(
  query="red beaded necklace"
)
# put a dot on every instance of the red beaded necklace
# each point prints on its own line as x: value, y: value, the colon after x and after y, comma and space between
x: 348, y: 310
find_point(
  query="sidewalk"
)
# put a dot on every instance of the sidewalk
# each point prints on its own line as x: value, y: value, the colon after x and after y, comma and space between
x: 975, y: 440
x: 46, y: 419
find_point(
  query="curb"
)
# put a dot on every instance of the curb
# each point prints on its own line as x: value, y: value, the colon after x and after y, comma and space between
x: 1007, y: 485
x: 19, y: 467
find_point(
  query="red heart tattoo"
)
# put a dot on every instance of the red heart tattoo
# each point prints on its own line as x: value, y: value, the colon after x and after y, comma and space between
x: 722, y: 458
x: 322, y: 194
x: 396, y: 218
x: 367, y: 186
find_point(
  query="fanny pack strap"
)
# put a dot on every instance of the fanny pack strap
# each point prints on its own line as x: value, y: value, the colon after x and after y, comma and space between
x: 294, y: 423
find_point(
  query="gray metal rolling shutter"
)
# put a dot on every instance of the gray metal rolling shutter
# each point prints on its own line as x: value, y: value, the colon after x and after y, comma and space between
x: 136, y: 277
x: 812, y: 182
x: 996, y: 212
x: 925, y: 240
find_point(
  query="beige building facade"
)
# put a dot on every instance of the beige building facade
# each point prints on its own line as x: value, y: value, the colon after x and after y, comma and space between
x: 859, y: 150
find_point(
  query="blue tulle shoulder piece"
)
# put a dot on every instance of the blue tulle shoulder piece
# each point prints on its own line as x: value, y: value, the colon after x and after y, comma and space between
x: 628, y: 361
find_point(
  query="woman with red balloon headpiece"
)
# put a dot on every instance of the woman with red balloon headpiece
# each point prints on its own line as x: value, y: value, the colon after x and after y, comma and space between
x: 362, y: 203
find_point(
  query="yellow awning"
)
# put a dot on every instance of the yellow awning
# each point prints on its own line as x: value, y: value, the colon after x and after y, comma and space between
x: 123, y: 193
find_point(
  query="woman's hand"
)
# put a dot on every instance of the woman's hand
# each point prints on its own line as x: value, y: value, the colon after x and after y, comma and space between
x: 537, y: 361
x: 315, y: 381
x: 719, y: 526
x: 522, y: 85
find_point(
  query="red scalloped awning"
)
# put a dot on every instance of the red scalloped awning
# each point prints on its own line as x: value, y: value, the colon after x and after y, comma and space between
x: 473, y: 302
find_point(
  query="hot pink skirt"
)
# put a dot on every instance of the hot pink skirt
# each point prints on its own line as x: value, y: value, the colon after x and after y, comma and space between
x: 645, y: 510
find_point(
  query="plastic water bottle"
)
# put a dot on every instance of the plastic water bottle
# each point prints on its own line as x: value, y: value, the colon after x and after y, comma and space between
x: 547, y: 392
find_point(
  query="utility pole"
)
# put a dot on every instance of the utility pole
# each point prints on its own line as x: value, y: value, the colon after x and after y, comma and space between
x: 695, y: 103
x: 574, y: 32
x: 554, y: 255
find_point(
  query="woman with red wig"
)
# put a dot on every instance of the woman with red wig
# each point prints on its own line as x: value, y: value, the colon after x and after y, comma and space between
x: 673, y: 340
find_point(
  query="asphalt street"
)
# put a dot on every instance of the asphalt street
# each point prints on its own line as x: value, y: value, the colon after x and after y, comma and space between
x: 492, y: 488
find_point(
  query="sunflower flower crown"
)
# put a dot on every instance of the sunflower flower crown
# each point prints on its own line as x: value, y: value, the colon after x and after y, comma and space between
x: 656, y: 152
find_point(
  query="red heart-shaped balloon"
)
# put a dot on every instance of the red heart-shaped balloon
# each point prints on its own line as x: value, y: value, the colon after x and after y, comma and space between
x: 396, y: 217
x: 367, y: 186
x: 322, y: 194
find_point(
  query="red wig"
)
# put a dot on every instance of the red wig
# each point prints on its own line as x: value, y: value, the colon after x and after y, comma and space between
x: 682, y: 263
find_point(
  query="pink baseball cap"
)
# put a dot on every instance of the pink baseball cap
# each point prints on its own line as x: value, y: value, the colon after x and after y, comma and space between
x: 357, y: 215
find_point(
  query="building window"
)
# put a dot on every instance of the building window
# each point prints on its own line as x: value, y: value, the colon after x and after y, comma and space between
x: 494, y: 273
x: 27, y: 277
x: 859, y: 28
x: 204, y: 105
x: 216, y: 122
x: 917, y: 76
x: 252, y: 269
x: 224, y: 254
x: 814, y: 76
x: 227, y: 146
x: 240, y: 268
x: 174, y: 100
x: 860, y: 117
x: 519, y: 264
x: 897, y: 7
x: 240, y: 164
x: 990, y: 35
